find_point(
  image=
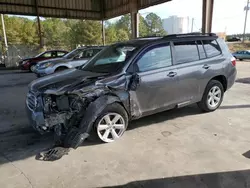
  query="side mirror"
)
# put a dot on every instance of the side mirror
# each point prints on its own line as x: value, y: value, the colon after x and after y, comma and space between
x: 135, y: 81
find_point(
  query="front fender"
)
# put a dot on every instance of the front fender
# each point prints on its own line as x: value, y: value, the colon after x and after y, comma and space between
x: 94, y: 110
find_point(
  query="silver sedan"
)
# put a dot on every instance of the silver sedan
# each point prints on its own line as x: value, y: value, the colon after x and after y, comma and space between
x: 73, y: 59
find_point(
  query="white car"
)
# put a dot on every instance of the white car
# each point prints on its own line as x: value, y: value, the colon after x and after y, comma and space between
x: 73, y: 59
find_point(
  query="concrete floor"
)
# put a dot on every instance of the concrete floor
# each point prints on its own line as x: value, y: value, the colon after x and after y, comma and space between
x: 178, y: 148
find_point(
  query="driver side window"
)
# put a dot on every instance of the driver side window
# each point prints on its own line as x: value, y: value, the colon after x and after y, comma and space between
x: 155, y: 58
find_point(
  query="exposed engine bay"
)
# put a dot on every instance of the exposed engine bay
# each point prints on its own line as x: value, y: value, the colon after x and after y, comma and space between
x: 71, y: 114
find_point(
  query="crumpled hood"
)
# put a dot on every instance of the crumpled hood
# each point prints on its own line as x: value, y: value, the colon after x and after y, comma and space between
x: 54, y: 61
x: 65, y: 81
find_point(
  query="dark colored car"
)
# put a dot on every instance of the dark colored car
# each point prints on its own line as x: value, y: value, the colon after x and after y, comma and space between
x: 130, y: 80
x: 233, y: 39
x: 29, y: 63
x: 241, y: 55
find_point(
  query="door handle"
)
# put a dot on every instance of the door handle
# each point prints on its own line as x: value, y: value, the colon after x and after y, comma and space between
x: 172, y: 74
x: 205, y: 66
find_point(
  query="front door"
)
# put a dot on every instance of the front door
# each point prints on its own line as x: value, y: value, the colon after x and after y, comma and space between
x: 157, y: 81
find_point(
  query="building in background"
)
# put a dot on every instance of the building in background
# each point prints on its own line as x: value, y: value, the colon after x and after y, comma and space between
x: 177, y: 25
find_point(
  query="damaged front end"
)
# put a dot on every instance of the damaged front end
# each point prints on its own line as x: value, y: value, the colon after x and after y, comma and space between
x: 71, y: 113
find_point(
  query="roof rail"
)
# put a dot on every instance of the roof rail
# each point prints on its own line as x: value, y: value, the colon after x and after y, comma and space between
x: 149, y: 36
x: 178, y: 35
x: 190, y: 34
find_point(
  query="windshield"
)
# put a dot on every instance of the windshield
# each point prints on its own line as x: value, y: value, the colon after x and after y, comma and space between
x: 73, y: 53
x: 39, y: 54
x: 111, y: 59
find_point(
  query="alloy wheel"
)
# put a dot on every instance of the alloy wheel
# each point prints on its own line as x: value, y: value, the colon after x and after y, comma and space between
x: 111, y: 127
x: 214, y: 97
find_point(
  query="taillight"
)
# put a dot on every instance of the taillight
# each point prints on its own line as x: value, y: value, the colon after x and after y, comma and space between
x: 233, y: 60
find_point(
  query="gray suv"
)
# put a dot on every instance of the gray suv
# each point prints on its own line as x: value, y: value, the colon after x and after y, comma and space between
x: 130, y: 80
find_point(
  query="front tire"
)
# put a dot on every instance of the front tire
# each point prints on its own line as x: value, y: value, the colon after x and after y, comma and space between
x: 212, y: 97
x: 111, y: 123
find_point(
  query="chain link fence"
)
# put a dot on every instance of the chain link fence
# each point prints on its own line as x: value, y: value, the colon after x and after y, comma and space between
x: 17, y: 52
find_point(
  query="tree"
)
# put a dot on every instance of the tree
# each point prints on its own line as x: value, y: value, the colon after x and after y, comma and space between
x: 143, y: 27
x: 68, y: 33
x: 110, y: 33
x: 92, y: 32
x: 124, y: 23
x: 54, y: 29
x: 122, y: 35
x: 154, y: 23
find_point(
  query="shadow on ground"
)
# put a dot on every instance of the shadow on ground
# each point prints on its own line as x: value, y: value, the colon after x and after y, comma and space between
x: 3, y: 72
x: 235, y: 106
x: 243, y: 80
x: 24, y: 142
x: 233, y: 179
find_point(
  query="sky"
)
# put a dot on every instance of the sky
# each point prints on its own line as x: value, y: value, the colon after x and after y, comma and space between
x: 228, y: 16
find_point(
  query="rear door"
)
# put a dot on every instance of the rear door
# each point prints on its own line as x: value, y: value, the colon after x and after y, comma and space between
x: 197, y: 62
x: 189, y: 69
x: 213, y: 64
x: 157, y: 77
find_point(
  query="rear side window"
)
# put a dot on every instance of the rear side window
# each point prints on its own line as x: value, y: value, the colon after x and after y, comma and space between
x: 186, y: 52
x: 155, y: 58
x: 212, y: 48
x: 60, y: 54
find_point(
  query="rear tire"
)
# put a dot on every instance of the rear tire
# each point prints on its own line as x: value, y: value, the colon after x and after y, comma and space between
x: 212, y: 97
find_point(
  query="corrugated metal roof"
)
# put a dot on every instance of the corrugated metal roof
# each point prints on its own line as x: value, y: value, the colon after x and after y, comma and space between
x: 79, y: 9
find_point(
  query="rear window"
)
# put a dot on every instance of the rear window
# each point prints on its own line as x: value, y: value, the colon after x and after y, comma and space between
x: 186, y: 52
x: 212, y: 48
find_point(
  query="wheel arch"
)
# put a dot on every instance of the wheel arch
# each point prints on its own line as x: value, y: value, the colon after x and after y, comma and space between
x: 222, y: 79
x: 61, y: 66
x: 96, y: 107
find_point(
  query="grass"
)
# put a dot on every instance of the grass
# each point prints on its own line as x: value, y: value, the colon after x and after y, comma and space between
x: 239, y: 46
